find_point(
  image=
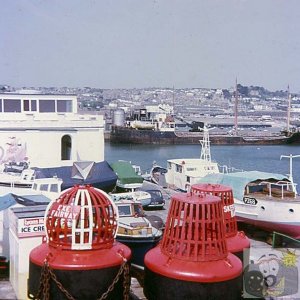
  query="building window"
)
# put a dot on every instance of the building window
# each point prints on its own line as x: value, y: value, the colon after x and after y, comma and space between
x: 26, y: 105
x: 0, y: 105
x: 47, y: 106
x: 64, y: 105
x: 12, y: 105
x: 66, y: 147
x: 33, y: 105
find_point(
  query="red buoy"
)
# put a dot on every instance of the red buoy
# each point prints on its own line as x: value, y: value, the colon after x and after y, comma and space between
x: 80, y: 253
x: 192, y: 260
x: 237, y: 241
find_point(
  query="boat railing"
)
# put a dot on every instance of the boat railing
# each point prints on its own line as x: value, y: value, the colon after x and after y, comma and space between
x: 280, y: 189
x: 225, y: 169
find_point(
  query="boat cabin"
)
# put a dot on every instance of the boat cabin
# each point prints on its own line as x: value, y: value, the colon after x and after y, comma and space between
x: 129, y: 209
x: 132, y: 221
x: 183, y: 173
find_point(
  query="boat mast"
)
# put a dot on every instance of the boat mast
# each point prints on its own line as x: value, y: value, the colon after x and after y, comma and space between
x: 291, y: 170
x: 205, y: 143
x: 236, y: 109
x: 288, y: 110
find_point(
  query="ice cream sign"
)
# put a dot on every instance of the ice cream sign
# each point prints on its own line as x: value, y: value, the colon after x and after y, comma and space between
x: 31, y: 227
x: 28, y: 227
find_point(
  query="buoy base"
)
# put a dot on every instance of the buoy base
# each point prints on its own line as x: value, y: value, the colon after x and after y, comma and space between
x: 207, y: 271
x: 85, y: 284
x: 237, y: 244
x: 158, y: 287
x: 83, y: 274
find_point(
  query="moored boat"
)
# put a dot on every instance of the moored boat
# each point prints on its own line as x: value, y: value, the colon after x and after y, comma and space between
x: 128, y: 135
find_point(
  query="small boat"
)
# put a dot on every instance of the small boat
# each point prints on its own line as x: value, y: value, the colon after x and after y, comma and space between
x: 135, y: 230
x: 266, y: 200
x: 158, y: 175
x: 127, y: 177
x: 13, y: 180
x: 25, y: 184
x: 141, y: 196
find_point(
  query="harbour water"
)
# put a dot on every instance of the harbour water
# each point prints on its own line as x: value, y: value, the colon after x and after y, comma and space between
x: 262, y: 158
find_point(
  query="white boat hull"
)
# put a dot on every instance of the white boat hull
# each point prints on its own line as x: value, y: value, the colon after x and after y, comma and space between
x: 275, y: 215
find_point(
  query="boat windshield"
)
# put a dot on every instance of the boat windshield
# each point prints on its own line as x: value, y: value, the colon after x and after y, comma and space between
x: 124, y: 210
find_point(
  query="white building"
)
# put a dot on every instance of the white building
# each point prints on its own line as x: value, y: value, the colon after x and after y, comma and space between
x: 46, y: 130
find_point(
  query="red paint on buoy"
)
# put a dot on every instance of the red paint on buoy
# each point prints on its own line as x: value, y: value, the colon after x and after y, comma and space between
x: 193, y: 253
x: 237, y: 241
x: 80, y: 248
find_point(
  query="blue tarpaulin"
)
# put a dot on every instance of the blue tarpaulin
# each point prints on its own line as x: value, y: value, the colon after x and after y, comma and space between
x: 7, y: 201
x: 11, y: 199
x: 100, y: 176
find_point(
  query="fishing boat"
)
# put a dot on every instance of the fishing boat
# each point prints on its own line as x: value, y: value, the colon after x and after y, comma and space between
x: 182, y: 173
x: 135, y: 230
x: 266, y: 200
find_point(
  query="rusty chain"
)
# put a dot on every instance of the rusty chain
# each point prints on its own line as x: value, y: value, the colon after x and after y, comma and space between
x: 44, y: 283
x: 124, y: 269
x: 47, y: 274
x: 60, y: 286
x: 126, y: 282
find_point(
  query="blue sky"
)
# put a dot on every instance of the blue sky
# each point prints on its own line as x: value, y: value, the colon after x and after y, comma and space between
x: 141, y: 43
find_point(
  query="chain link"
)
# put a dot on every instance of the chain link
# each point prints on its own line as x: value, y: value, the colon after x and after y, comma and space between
x: 124, y: 269
x: 47, y: 274
x: 60, y: 286
x: 126, y: 282
x: 44, y: 283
